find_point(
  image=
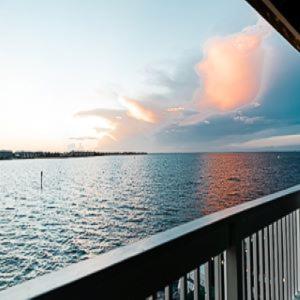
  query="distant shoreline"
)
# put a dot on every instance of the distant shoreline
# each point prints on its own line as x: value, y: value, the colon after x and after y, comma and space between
x: 10, y: 155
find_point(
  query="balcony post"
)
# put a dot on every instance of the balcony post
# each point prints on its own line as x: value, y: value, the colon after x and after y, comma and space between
x: 298, y: 249
x: 234, y: 272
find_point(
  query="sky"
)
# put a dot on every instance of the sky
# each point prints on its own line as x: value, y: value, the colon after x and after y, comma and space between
x: 141, y: 75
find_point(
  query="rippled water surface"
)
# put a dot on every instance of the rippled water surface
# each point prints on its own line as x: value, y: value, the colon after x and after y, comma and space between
x: 90, y: 205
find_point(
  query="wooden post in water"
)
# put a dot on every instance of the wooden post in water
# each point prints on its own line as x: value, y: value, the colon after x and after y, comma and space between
x: 41, y: 180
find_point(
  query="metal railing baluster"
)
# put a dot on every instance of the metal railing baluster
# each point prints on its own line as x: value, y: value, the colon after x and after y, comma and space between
x: 276, y: 273
x: 280, y: 260
x: 290, y: 250
x: 196, y: 273
x: 255, y: 266
x: 207, y: 272
x: 284, y: 255
x: 225, y: 269
x: 293, y: 256
x: 261, y: 265
x: 217, y: 278
x: 295, y: 251
x: 183, y: 287
x: 288, y: 256
x: 243, y: 266
x: 168, y: 293
x: 234, y: 272
x: 271, y: 262
x: 266, y: 261
x: 248, y: 268
x: 223, y: 275
x: 298, y: 248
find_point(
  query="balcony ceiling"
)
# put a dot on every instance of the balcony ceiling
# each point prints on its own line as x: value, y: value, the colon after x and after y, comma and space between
x: 284, y: 15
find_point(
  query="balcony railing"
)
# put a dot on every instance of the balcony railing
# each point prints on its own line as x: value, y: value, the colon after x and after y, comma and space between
x: 250, y: 251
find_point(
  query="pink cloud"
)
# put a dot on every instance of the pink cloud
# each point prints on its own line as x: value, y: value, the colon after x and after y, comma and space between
x: 134, y: 120
x: 138, y: 111
x: 231, y: 72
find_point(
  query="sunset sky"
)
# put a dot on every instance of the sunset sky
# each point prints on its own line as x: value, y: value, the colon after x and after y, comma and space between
x: 141, y: 75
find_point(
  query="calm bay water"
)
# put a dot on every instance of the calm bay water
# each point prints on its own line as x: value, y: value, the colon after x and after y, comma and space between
x: 91, y: 205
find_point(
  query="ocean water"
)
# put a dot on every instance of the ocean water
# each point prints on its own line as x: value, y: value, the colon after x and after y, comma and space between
x: 90, y: 205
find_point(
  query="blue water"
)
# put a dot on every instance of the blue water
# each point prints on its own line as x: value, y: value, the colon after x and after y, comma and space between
x: 91, y: 205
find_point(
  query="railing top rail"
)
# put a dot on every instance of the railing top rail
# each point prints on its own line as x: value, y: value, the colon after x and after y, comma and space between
x: 132, y: 269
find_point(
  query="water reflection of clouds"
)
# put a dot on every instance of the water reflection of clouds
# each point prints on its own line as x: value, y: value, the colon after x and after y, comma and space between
x: 227, y: 180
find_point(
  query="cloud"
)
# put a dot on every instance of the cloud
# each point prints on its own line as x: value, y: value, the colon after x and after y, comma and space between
x: 230, y: 75
x: 138, y: 111
x: 132, y: 109
x: 231, y: 72
x: 107, y: 114
x: 101, y: 130
x: 239, y: 117
x: 273, y: 141
x: 172, y: 82
x: 222, y: 102
x: 276, y: 114
x: 83, y: 138
x: 134, y: 121
x: 175, y: 109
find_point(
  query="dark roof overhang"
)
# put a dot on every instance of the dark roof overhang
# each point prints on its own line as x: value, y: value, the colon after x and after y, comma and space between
x: 283, y: 15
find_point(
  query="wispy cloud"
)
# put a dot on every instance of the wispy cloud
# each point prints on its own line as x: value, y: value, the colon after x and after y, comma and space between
x: 133, y: 120
x: 101, y: 112
x: 273, y: 141
x: 138, y: 111
x: 240, y: 117
x: 83, y: 138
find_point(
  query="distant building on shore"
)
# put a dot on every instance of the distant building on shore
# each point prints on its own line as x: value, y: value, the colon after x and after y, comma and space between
x: 24, y: 154
x: 6, y: 154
